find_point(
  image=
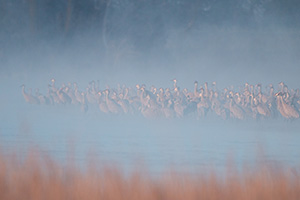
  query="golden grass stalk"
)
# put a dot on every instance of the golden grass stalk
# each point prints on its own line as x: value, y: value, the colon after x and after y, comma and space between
x: 37, y: 176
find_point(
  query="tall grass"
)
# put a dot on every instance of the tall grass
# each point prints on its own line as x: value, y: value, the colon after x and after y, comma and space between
x: 37, y: 176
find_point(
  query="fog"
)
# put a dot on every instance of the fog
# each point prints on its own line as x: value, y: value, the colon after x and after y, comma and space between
x: 147, y: 42
x: 130, y: 42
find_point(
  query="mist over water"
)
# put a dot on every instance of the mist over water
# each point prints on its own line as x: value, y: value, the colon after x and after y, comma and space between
x: 144, y: 43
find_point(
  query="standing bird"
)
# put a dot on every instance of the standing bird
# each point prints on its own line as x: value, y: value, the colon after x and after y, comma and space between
x: 63, y: 97
x: 29, y: 98
x: 286, y: 110
x: 196, y: 93
x: 102, y: 104
x: 262, y: 108
x: 214, y: 86
x: 175, y: 83
x: 202, y: 106
x: 43, y: 99
x: 53, y: 87
x: 205, y: 90
x: 179, y: 107
x: 124, y: 103
x: 168, y: 110
x: 77, y: 93
x: 84, y: 107
x: 111, y: 104
x: 69, y: 91
x: 151, y: 110
x: 217, y: 106
x: 91, y: 95
x: 235, y: 110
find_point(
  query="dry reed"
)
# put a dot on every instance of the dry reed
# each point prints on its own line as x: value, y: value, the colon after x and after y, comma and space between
x: 39, y: 177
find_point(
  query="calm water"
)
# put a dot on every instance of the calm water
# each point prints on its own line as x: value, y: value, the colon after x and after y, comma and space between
x: 64, y: 132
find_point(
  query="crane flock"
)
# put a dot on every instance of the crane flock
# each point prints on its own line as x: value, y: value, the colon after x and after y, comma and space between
x: 250, y: 101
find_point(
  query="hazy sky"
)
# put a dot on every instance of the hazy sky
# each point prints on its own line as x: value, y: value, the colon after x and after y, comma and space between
x: 133, y: 42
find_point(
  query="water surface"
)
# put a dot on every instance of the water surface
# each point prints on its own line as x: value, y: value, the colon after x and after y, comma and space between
x: 65, y: 132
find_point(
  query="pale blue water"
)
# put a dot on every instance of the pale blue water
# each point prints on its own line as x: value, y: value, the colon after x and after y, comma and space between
x: 184, y: 144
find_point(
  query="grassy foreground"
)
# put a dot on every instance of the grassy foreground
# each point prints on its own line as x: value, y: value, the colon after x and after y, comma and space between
x: 39, y: 177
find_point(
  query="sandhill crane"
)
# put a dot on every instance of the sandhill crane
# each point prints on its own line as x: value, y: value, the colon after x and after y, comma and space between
x: 202, y: 106
x: 124, y: 103
x: 153, y: 90
x: 237, y: 98
x: 235, y: 110
x: 262, y: 108
x: 90, y: 96
x: 205, y: 90
x: 216, y: 106
x: 177, y: 93
x: 271, y: 94
x: 160, y: 99
x: 126, y: 92
x: 63, y: 97
x: 133, y: 99
x: 196, y: 93
x: 142, y: 96
x: 43, y: 99
x: 111, y: 104
x: 280, y: 106
x: 77, y: 94
x: 71, y: 94
x: 92, y: 88
x: 49, y: 96
x: 281, y: 86
x: 271, y: 101
x: 152, y: 102
x: 214, y: 86
x: 29, y: 98
x: 189, y: 96
x: 168, y: 110
x: 179, y: 107
x: 83, y: 107
x: 175, y: 83
x: 147, y: 92
x: 286, y: 95
x: 151, y: 110
x: 286, y: 110
x: 211, y: 95
x: 53, y: 95
x: 53, y: 87
x: 261, y: 97
x: 168, y: 94
x: 101, y: 102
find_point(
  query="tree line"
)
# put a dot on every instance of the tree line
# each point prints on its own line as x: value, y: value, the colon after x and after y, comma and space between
x: 141, y: 19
